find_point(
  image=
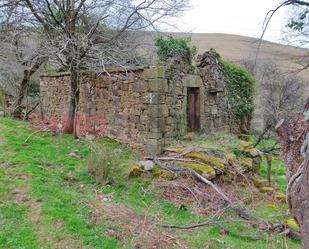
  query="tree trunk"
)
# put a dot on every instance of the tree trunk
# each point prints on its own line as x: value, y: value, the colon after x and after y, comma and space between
x: 36, y: 64
x: 17, y: 108
x: 70, y: 125
x: 295, y: 151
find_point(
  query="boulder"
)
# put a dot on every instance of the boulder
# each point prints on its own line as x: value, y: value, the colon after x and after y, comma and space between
x: 146, y: 165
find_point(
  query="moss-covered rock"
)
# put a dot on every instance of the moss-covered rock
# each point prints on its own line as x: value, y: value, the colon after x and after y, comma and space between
x: 266, y: 189
x: 231, y: 157
x: 292, y: 224
x: 206, y: 170
x: 253, y: 152
x: 247, y: 163
x: 281, y: 197
x: 260, y: 183
x: 136, y: 171
x: 213, y: 162
x: 167, y: 175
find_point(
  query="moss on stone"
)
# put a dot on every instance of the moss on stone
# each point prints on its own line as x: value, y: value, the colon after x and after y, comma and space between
x: 167, y: 175
x: 281, y: 197
x: 266, y: 189
x: 136, y: 171
x: 247, y: 163
x: 245, y: 144
x: 253, y: 152
x: 212, y: 161
x: 231, y: 157
x: 205, y: 170
x: 292, y: 224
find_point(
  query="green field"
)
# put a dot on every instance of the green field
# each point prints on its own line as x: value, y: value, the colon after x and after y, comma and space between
x: 48, y: 200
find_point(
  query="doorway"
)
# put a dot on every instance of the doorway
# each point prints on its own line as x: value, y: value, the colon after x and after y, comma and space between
x: 193, y: 109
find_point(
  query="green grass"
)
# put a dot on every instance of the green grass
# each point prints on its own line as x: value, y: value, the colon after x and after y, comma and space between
x: 42, y: 207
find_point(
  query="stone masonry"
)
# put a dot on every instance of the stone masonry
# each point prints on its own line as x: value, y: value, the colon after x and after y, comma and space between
x: 144, y: 107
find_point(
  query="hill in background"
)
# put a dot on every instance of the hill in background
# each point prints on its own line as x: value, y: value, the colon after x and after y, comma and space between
x: 236, y: 48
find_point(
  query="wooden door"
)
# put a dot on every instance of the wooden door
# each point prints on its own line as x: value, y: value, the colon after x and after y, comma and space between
x: 193, y: 114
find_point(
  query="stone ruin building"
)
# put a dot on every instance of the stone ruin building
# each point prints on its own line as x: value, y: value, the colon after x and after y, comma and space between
x: 146, y: 107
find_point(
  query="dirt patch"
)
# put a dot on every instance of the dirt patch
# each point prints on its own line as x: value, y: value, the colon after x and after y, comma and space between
x: 124, y: 223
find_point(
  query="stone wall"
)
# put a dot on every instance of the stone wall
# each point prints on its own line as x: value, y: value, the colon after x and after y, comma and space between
x: 142, y: 107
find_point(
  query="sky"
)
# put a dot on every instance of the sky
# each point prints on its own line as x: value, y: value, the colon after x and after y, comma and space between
x: 241, y: 17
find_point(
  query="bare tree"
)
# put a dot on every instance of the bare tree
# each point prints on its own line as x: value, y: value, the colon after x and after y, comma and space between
x: 88, y: 32
x: 280, y: 95
x: 21, y: 57
x: 297, y: 26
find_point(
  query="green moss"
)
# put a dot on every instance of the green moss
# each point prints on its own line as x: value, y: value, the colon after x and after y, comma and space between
x: 212, y: 161
x: 205, y: 170
x: 292, y: 224
x: 281, y: 197
x: 231, y: 157
x: 247, y: 163
x: 136, y: 171
x: 266, y: 189
x: 167, y: 175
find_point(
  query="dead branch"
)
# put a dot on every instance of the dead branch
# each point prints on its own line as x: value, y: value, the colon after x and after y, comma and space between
x: 242, y: 213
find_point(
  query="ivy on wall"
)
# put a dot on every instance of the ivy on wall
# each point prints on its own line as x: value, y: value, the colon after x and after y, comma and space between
x: 173, y: 48
x: 241, y: 91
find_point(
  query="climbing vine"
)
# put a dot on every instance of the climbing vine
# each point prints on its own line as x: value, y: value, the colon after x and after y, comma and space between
x: 241, y: 90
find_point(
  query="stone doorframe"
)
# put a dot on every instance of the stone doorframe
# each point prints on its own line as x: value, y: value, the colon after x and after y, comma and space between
x: 192, y: 80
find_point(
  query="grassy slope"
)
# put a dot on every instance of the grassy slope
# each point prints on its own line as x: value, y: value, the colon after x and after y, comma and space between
x: 46, y: 200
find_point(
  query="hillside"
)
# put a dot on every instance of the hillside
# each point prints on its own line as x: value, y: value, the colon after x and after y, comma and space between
x: 48, y: 199
x: 236, y: 48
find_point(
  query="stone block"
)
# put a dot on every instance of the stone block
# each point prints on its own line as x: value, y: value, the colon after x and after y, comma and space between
x: 214, y: 110
x: 154, y: 72
x: 155, y: 135
x: 154, y: 146
x: 140, y: 86
x: 158, y: 111
x: 191, y: 80
x: 158, y: 85
x: 154, y: 98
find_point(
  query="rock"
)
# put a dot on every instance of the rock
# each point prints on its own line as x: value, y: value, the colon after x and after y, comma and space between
x: 162, y: 173
x: 207, y: 171
x: 136, y: 171
x: 73, y: 154
x: 267, y: 189
x: 253, y: 152
x: 259, y: 183
x: 146, y: 165
x: 213, y: 162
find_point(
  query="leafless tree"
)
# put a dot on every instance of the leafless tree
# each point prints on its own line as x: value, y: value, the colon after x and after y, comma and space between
x: 21, y: 56
x: 280, y: 95
x: 297, y: 31
x: 88, y: 33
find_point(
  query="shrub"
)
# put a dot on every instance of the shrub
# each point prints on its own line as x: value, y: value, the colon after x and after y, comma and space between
x: 241, y: 89
x: 109, y: 162
x: 175, y: 48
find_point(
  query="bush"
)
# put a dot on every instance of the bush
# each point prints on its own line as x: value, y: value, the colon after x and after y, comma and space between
x: 241, y: 90
x: 109, y: 162
x: 175, y: 48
